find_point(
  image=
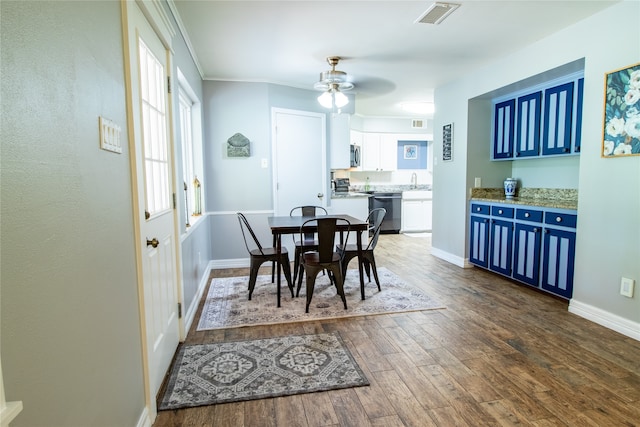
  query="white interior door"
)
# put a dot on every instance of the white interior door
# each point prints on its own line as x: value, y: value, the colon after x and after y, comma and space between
x: 152, y: 166
x: 299, y: 160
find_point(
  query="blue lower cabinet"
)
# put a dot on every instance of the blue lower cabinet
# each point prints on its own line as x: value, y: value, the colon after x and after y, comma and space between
x: 479, y: 241
x: 526, y: 253
x: 532, y: 245
x: 558, y: 261
x: 500, y: 248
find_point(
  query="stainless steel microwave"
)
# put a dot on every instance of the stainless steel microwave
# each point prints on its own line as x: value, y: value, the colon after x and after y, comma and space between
x: 355, y: 156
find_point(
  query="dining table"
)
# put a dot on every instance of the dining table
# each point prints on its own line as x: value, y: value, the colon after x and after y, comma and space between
x: 281, y: 225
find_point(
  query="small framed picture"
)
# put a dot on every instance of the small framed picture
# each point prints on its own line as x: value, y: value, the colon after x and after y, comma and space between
x: 621, y: 133
x: 447, y: 142
x: 411, y: 152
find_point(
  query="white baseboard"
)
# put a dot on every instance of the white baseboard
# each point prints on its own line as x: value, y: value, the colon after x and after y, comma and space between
x: 608, y: 320
x: 144, y: 420
x: 229, y: 263
x: 190, y: 314
x: 453, y: 259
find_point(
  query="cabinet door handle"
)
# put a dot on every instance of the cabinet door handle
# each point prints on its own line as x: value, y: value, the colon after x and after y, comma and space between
x: 478, y: 209
x: 500, y: 211
x: 558, y: 219
x: 535, y: 229
x: 527, y: 214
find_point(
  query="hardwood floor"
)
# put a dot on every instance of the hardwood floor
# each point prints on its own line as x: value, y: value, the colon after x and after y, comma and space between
x: 499, y: 354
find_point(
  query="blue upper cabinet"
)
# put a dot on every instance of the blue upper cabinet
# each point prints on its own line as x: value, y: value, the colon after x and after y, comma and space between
x: 543, y: 120
x: 528, y: 123
x: 558, y: 107
x: 503, y: 119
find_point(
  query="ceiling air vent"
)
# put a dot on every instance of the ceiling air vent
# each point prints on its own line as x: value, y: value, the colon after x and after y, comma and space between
x: 437, y: 12
x: 417, y: 124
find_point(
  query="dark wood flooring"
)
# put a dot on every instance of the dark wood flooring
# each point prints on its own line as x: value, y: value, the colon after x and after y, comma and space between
x: 500, y: 354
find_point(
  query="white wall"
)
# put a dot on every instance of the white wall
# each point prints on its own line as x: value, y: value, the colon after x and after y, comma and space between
x: 608, y: 241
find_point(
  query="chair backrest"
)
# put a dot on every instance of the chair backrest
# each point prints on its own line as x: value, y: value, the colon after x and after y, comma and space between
x: 246, y: 229
x: 308, y: 210
x: 375, y: 219
x: 311, y: 211
x: 326, y: 229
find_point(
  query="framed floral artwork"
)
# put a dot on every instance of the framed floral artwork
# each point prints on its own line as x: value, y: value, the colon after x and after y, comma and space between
x: 621, y: 136
x: 410, y: 151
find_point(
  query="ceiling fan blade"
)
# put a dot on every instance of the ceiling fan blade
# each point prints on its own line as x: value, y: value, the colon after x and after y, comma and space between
x: 372, y: 86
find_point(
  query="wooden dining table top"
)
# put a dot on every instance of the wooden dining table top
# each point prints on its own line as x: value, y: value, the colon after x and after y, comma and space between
x: 291, y: 224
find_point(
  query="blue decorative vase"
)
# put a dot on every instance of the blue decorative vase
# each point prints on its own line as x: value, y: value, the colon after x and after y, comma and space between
x: 510, y: 188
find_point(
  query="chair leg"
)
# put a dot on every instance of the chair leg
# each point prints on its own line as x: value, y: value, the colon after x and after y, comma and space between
x: 372, y: 260
x: 273, y: 271
x: 287, y: 273
x: 345, y: 263
x: 253, y: 274
x: 339, y: 278
x: 367, y: 269
x: 296, y: 261
x: 311, y: 282
x: 299, y: 278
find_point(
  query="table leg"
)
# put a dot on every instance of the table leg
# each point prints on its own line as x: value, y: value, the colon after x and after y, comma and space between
x: 279, y: 252
x: 360, y: 263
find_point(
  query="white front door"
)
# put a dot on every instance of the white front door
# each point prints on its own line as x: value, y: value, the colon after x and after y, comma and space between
x: 152, y: 167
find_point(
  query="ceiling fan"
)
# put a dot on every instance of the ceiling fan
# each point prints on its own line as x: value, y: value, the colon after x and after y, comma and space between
x: 332, y: 83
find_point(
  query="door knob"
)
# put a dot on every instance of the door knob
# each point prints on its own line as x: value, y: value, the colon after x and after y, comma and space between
x: 153, y: 242
x: 320, y: 195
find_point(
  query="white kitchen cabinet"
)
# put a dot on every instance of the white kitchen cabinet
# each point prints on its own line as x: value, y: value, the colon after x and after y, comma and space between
x: 340, y: 141
x: 379, y: 152
x: 416, y: 211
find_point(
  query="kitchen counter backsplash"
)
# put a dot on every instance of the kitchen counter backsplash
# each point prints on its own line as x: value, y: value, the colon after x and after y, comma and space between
x: 561, y: 198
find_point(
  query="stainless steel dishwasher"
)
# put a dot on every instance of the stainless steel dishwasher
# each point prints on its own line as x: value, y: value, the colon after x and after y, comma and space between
x: 392, y: 202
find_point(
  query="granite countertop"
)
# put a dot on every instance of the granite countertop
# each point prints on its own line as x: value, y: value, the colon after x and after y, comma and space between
x: 349, y: 195
x: 558, y: 198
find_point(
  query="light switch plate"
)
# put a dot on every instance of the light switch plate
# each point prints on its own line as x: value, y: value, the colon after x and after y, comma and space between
x: 626, y: 287
x: 264, y: 163
x: 109, y: 135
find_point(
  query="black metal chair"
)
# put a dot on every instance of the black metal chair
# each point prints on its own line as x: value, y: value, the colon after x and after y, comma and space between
x: 349, y: 251
x: 310, y: 241
x: 323, y: 257
x: 260, y: 255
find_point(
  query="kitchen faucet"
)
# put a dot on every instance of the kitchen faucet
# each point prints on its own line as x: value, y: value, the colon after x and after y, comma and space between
x: 414, y: 180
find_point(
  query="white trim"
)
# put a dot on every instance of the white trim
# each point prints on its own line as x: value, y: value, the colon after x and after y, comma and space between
x: 191, y: 311
x: 453, y: 259
x: 185, y: 36
x: 608, y: 320
x: 221, y: 213
x: 144, y: 420
x: 229, y: 263
x: 159, y: 20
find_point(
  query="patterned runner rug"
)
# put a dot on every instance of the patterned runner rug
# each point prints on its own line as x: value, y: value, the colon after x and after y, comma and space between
x: 207, y: 374
x: 227, y: 304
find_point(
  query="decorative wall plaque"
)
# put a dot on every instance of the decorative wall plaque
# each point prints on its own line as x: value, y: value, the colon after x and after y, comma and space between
x: 238, y: 146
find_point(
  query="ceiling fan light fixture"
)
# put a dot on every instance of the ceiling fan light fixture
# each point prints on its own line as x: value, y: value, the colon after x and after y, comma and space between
x: 333, y: 98
x: 340, y: 99
x: 436, y: 13
x: 326, y: 99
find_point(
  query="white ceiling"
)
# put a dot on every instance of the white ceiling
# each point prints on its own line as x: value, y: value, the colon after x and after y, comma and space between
x: 389, y: 57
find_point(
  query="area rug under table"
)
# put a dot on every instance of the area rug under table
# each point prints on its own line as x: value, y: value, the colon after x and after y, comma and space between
x: 207, y: 374
x: 227, y: 304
